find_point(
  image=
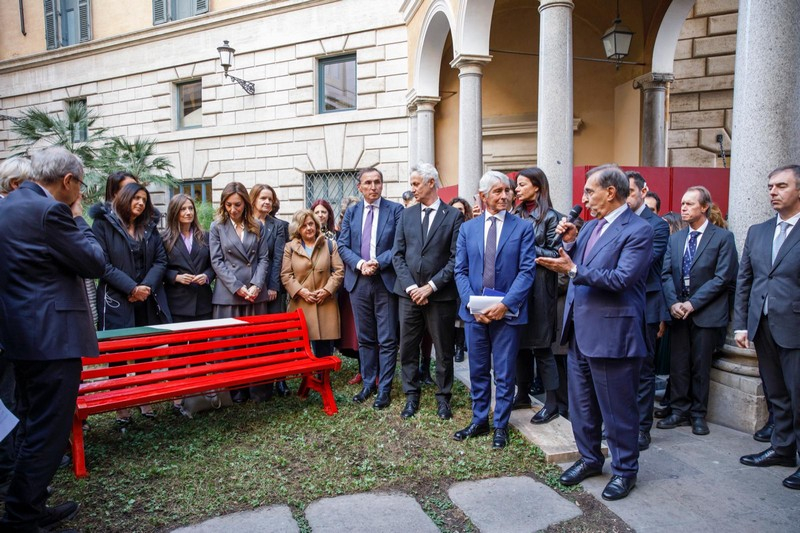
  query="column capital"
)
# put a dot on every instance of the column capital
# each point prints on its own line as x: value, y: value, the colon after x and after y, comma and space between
x: 545, y: 4
x: 425, y: 103
x: 653, y: 80
x: 470, y: 64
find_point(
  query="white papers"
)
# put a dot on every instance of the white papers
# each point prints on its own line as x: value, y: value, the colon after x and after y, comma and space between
x: 7, y: 421
x: 478, y: 304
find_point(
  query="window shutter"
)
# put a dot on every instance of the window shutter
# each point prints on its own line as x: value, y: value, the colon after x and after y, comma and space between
x: 84, y: 20
x: 50, y: 24
x: 200, y: 6
x: 159, y: 12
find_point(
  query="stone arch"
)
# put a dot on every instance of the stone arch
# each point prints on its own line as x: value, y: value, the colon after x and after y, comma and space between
x: 667, y: 37
x: 438, y: 23
x: 474, y: 27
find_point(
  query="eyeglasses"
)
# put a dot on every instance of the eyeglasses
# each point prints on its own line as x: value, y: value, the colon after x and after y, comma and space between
x: 82, y: 185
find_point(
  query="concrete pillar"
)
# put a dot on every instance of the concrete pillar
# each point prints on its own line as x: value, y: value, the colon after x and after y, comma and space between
x: 470, y: 122
x: 426, y: 152
x: 413, y: 140
x: 654, y: 123
x: 766, y: 114
x: 554, y: 151
x: 766, y: 135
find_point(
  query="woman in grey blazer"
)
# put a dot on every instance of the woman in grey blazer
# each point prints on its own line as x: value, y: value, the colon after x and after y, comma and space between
x: 240, y: 258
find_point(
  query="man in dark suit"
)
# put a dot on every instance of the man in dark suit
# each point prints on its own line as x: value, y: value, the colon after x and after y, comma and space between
x: 46, y: 250
x: 365, y: 244
x: 767, y: 310
x: 604, y: 323
x: 424, y: 259
x: 699, y: 274
x: 657, y: 312
x: 495, y: 256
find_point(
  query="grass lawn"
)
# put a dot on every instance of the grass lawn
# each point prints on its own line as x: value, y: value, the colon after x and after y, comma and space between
x: 173, y: 471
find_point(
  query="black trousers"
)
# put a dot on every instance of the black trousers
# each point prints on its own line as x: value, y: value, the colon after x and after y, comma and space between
x: 690, y: 367
x: 437, y: 319
x: 46, y: 394
x: 645, y: 396
x: 7, y: 395
x: 780, y: 370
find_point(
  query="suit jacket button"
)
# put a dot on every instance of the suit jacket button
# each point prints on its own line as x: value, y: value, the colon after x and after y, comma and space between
x: 248, y: 264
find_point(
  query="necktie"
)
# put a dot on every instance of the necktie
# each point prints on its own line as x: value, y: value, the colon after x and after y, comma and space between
x: 489, y: 255
x: 594, y: 237
x: 366, y: 235
x: 425, y: 222
x: 776, y: 245
x: 688, y: 257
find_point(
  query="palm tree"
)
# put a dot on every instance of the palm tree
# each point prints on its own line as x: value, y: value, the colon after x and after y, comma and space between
x: 137, y: 157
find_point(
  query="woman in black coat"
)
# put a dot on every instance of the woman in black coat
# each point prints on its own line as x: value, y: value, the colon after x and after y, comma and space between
x: 188, y: 277
x: 131, y: 292
x: 533, y: 191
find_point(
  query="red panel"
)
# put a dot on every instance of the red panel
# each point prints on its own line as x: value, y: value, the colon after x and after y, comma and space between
x: 715, y: 180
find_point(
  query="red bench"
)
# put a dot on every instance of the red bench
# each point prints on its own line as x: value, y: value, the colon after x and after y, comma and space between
x: 179, y: 360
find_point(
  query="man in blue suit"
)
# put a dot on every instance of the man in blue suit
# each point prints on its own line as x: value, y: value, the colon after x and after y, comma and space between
x: 365, y: 244
x: 495, y: 254
x: 604, y: 323
x: 46, y: 325
x: 657, y: 312
x: 767, y: 312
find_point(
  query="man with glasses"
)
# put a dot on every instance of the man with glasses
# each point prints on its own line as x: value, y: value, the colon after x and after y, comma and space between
x: 46, y: 325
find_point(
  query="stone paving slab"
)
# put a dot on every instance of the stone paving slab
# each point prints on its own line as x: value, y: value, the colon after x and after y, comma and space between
x: 511, y: 504
x: 374, y: 512
x: 555, y: 438
x: 272, y: 519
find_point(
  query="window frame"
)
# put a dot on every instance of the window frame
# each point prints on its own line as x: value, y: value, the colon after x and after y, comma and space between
x: 322, y: 62
x: 338, y: 184
x: 164, y: 10
x: 79, y: 135
x: 54, y: 23
x: 179, y: 105
x: 187, y: 186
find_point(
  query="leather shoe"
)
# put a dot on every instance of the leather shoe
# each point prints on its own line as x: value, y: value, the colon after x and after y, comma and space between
x: 240, y: 395
x: 618, y: 488
x: 459, y: 357
x: 282, y: 389
x: 521, y: 401
x: 443, y: 410
x: 500, y: 438
x: 411, y: 408
x: 364, y: 395
x: 768, y: 457
x: 662, y: 412
x: 793, y: 481
x: 355, y: 380
x: 644, y: 440
x: 765, y: 433
x: 383, y: 401
x: 699, y: 426
x: 578, y: 472
x: 472, y: 431
x: 544, y: 415
x: 55, y: 515
x: 672, y: 421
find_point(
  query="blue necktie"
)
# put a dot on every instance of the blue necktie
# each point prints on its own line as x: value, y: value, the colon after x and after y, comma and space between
x: 688, y: 257
x: 489, y: 255
x: 366, y: 235
x: 594, y: 237
x: 776, y: 247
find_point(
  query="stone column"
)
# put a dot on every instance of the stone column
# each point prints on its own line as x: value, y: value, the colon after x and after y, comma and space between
x: 413, y: 140
x: 470, y: 122
x: 425, y: 139
x: 766, y: 106
x: 766, y: 135
x: 654, y: 123
x: 554, y: 152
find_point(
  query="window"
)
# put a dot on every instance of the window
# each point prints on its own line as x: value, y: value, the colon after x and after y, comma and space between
x: 336, y: 82
x: 331, y: 186
x: 169, y: 10
x: 198, y: 190
x: 190, y: 104
x: 67, y: 22
x: 79, y: 130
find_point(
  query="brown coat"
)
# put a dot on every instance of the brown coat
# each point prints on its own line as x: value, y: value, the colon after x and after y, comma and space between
x: 328, y: 273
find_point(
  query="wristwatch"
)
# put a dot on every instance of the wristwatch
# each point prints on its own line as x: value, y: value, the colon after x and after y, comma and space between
x: 573, y: 272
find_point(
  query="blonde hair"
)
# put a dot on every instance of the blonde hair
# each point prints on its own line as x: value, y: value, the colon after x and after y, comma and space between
x: 299, y: 219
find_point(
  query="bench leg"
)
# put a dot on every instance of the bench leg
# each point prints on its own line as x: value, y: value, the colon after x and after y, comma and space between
x: 78, y: 457
x: 303, y: 390
x: 328, y: 401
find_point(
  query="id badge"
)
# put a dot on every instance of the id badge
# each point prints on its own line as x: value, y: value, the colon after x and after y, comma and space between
x: 686, y: 284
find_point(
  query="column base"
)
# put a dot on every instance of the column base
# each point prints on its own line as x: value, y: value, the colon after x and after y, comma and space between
x: 736, y: 401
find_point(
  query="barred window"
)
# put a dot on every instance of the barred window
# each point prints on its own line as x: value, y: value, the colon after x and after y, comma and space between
x: 331, y: 186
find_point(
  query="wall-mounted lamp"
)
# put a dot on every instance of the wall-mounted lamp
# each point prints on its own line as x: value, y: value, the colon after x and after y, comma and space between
x: 226, y: 54
x: 617, y: 40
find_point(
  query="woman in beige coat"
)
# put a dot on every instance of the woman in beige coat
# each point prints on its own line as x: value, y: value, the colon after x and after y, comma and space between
x: 312, y: 272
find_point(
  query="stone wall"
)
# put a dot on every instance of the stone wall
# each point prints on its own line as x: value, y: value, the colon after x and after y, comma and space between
x: 274, y: 136
x: 701, y: 97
